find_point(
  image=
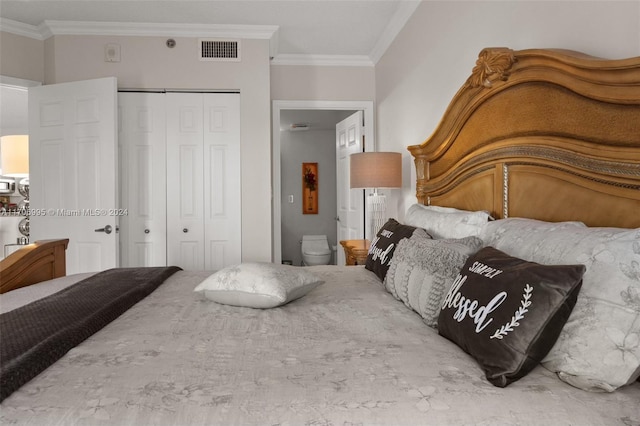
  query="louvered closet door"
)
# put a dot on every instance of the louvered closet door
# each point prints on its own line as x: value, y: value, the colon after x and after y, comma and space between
x: 143, y: 185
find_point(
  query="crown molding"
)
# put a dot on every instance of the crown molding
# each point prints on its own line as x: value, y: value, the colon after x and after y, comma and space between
x: 156, y: 29
x: 18, y: 83
x: 21, y: 29
x: 397, y: 22
x: 323, y: 60
x: 50, y: 28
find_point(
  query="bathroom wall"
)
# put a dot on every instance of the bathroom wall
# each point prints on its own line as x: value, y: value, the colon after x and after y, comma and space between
x: 312, y: 146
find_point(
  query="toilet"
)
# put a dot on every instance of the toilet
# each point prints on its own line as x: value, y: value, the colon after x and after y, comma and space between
x: 315, y: 250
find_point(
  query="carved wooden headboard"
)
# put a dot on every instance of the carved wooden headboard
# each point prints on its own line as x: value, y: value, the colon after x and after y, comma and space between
x: 546, y: 134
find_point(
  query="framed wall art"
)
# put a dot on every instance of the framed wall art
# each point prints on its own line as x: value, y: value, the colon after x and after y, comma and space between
x: 309, y: 188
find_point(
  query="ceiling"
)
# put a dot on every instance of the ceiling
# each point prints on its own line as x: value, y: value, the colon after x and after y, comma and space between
x: 319, y: 32
x: 298, y: 29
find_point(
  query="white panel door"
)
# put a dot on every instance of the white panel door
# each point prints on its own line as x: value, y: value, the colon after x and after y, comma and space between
x: 143, y: 183
x: 185, y: 185
x: 222, y: 197
x: 350, y: 215
x: 73, y: 182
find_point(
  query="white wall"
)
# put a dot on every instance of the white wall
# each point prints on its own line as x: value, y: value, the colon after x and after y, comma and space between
x: 21, y: 57
x: 434, y: 53
x: 335, y: 83
x: 146, y: 63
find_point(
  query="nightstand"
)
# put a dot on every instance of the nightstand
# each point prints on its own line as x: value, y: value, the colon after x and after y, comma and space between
x: 355, y: 251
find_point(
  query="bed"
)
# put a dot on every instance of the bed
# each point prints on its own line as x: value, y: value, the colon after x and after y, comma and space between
x: 544, y: 141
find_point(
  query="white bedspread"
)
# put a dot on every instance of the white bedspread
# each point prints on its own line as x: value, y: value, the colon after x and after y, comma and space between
x: 348, y: 353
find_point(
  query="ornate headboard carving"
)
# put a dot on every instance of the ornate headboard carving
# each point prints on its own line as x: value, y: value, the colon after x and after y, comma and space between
x: 547, y: 134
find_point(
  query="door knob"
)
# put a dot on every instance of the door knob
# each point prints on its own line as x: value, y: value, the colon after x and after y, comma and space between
x: 337, y: 218
x: 107, y: 229
x: 185, y: 230
x: 146, y: 231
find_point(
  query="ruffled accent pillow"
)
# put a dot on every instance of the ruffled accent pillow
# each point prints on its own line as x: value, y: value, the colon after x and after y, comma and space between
x: 384, y: 244
x: 507, y: 313
x: 258, y: 285
x: 422, y: 271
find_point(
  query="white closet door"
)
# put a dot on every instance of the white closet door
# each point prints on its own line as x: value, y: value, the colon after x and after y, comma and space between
x: 143, y: 187
x: 185, y: 186
x: 222, y: 225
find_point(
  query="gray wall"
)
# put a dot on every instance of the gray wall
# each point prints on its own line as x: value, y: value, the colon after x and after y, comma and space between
x: 312, y: 146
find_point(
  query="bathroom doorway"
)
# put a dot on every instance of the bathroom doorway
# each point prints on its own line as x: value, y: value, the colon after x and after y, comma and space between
x: 305, y: 132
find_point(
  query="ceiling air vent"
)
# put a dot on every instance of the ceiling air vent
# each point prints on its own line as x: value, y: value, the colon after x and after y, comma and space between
x: 219, y: 50
x: 299, y: 127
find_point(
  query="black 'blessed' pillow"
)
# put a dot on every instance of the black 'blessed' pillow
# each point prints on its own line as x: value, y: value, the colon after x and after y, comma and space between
x: 382, y: 247
x: 507, y: 313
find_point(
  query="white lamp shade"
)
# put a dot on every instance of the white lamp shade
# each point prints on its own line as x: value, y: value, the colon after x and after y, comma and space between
x: 376, y: 170
x: 14, y: 150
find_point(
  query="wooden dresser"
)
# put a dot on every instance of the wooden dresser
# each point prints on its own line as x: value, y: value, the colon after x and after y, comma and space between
x: 355, y: 251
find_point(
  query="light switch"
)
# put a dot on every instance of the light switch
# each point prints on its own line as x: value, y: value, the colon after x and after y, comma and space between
x: 290, y: 199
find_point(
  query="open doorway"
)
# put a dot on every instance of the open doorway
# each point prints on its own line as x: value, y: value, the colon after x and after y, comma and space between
x: 13, y: 121
x: 308, y: 137
x: 286, y: 177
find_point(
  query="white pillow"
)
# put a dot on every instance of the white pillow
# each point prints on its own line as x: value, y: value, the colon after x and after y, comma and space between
x: 446, y: 222
x: 258, y: 285
x: 599, y: 347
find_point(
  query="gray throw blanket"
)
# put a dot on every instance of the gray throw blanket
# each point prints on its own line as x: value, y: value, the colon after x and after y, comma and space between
x: 36, y: 335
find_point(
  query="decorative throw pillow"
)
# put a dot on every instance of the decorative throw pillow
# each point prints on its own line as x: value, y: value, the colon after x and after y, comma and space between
x: 507, y: 313
x: 599, y: 347
x: 258, y: 285
x: 382, y: 247
x: 446, y: 222
x: 422, y: 271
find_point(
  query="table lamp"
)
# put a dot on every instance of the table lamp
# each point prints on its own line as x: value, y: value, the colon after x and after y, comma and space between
x: 376, y: 170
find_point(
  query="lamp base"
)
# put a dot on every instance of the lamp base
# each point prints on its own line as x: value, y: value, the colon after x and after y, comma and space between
x: 377, y: 204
